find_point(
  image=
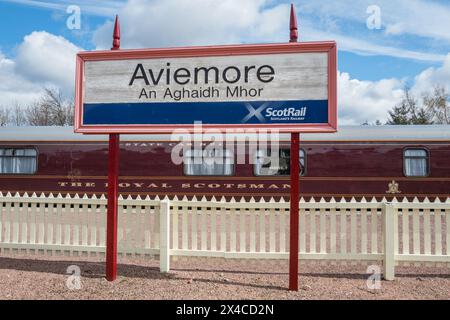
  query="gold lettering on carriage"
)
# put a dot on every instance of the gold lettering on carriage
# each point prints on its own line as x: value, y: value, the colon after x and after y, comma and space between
x: 174, y: 185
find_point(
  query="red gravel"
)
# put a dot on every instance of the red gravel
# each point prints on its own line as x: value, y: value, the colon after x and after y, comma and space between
x: 43, y: 277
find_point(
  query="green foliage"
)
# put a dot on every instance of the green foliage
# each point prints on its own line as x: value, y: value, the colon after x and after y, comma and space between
x: 409, y: 112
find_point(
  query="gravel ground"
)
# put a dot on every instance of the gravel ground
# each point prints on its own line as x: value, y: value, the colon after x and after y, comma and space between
x: 44, y: 277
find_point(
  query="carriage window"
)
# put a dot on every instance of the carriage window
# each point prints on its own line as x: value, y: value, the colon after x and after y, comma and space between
x: 264, y: 167
x: 17, y: 161
x: 215, y: 162
x: 416, y: 162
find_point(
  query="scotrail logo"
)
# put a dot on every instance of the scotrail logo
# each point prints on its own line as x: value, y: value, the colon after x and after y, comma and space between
x: 264, y: 113
x: 286, y: 112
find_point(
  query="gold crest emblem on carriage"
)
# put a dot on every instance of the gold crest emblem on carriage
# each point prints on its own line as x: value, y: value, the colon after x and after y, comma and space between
x: 393, y: 188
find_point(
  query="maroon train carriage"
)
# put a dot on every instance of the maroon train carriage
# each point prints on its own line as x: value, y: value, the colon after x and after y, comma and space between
x: 358, y: 161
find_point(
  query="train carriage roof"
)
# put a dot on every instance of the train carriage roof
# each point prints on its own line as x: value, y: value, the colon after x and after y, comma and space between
x: 345, y: 133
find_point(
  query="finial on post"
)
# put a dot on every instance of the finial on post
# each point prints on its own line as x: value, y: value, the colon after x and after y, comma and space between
x: 116, y: 35
x: 293, y: 25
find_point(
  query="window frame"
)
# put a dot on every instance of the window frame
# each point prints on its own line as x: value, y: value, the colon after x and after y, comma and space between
x: 427, y: 158
x: 13, y: 156
x: 233, y: 171
x: 305, y: 172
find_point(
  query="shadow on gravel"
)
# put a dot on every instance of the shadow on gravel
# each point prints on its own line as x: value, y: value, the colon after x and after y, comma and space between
x: 97, y: 270
x: 88, y: 269
x: 320, y: 275
x: 235, y: 283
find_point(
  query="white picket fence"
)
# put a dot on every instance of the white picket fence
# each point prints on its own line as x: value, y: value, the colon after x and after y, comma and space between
x: 367, y: 231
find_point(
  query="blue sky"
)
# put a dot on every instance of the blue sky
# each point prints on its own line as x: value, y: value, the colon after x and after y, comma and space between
x: 404, y: 42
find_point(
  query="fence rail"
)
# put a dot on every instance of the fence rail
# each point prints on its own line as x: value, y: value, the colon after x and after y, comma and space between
x: 390, y: 232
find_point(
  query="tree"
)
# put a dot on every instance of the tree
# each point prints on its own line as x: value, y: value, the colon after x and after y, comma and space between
x: 4, y: 116
x: 38, y: 115
x: 18, y: 115
x: 52, y: 109
x: 438, y: 105
x: 409, y: 112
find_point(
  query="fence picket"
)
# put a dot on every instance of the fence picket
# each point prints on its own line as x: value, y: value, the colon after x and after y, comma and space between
x: 40, y: 216
x: 147, y: 227
x: 313, y: 232
x: 363, y: 231
x: 93, y: 226
x: 282, y: 227
x: 214, y: 229
x: 252, y: 230
x: 302, y: 232
x: 405, y: 231
x: 102, y: 225
x: 76, y: 225
x: 203, y: 227
x: 157, y: 218
x: 67, y: 224
x: 353, y: 230
x: 85, y: 224
x: 194, y: 235
x: 140, y: 216
x: 333, y: 232
x: 51, y: 215
x: 175, y: 235
x: 416, y: 234
x: 343, y: 232
x: 8, y: 214
x: 24, y: 227
x: 272, y: 230
x: 323, y: 235
x: 233, y: 233
x: 262, y: 230
x: 32, y: 219
x: 437, y: 232
x: 242, y: 242
x: 374, y: 232
x: 120, y: 227
x: 15, y: 226
x: 132, y: 227
x: 184, y: 228
x: 223, y: 229
x: 427, y: 231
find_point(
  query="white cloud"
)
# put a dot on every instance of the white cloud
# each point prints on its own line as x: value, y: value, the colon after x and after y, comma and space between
x: 43, y: 59
x: 13, y: 87
x: 48, y: 59
x: 432, y: 77
x: 360, y: 101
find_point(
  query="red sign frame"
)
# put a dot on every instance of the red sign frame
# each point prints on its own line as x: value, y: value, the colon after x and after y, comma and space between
x: 328, y: 47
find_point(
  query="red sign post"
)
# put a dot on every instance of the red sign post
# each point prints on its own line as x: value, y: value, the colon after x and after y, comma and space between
x: 295, y: 184
x: 113, y: 187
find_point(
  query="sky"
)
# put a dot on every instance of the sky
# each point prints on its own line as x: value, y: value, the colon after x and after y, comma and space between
x: 384, y: 45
